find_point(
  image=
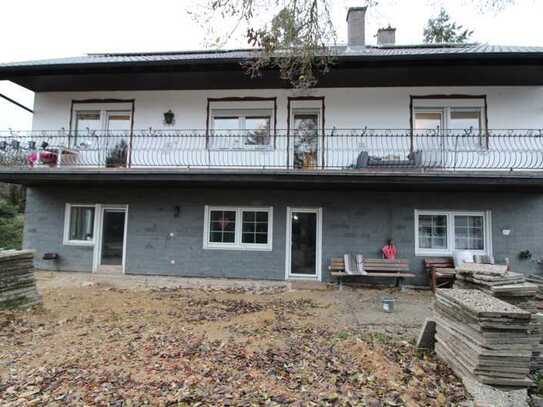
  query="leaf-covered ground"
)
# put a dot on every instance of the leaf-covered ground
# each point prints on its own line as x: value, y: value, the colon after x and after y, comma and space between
x: 105, y: 346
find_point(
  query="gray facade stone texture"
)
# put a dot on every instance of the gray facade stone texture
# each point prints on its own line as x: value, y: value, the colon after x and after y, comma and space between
x: 356, y: 221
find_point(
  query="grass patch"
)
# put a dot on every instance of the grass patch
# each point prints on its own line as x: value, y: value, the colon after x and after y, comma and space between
x: 343, y: 335
x: 538, y: 383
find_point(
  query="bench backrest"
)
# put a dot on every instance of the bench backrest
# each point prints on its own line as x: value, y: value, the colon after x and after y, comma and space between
x: 337, y: 264
x: 381, y: 265
x: 431, y: 263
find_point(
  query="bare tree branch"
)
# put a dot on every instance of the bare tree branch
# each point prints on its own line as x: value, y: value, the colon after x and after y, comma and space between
x: 297, y: 37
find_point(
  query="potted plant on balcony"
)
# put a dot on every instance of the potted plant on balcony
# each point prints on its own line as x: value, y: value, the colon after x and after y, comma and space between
x: 117, y: 157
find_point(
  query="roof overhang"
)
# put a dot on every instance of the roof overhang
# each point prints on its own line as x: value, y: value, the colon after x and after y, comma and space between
x: 379, y: 180
x: 492, y: 69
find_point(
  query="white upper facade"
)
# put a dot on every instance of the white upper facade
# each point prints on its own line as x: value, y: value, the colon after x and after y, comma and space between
x: 344, y: 108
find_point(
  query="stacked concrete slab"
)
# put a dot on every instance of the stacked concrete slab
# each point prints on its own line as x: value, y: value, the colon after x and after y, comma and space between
x: 484, y: 338
x: 17, y: 284
x: 537, y: 356
x: 510, y: 287
x: 537, y: 279
x: 497, y: 281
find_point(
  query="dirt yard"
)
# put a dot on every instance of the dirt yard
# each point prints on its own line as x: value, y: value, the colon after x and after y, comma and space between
x: 97, y: 344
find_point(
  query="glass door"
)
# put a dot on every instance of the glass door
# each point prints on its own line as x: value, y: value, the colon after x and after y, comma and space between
x: 112, y: 240
x: 429, y: 135
x: 304, y: 243
x: 306, y: 140
x: 86, y: 138
x: 117, y: 139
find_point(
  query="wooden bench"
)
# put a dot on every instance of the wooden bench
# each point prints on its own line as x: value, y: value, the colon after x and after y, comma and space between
x: 440, y: 271
x: 381, y: 268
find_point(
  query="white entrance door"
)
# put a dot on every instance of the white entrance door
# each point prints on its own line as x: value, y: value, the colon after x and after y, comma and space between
x: 304, y: 243
x: 111, y: 243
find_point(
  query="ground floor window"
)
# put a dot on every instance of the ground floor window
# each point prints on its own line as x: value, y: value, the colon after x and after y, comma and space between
x: 238, y: 228
x: 443, y: 232
x: 79, y: 224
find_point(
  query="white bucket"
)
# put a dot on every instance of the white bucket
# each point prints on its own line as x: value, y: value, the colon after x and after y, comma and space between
x: 388, y: 304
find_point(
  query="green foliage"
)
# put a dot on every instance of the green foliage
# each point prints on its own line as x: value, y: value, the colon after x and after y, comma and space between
x: 7, y: 210
x: 11, y: 218
x: 538, y: 382
x: 15, y: 195
x: 11, y: 231
x: 441, y: 29
x: 342, y: 335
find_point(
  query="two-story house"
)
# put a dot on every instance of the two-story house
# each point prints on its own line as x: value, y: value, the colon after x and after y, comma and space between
x: 180, y: 164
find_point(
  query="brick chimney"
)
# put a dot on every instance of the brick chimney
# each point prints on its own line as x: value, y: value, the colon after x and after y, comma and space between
x: 386, y: 36
x: 356, y: 23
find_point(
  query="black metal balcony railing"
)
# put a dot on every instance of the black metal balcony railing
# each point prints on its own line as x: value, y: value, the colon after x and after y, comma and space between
x: 355, y: 150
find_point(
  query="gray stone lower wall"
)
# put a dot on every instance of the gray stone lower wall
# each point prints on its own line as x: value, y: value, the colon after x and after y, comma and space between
x: 357, y: 221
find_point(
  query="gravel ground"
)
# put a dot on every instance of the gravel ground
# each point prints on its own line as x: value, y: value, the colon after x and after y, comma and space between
x: 360, y: 308
x: 488, y: 396
x: 345, y: 313
x: 48, y: 280
x: 93, y: 343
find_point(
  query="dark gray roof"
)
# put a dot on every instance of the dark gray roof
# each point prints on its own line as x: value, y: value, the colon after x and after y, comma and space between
x: 435, y: 50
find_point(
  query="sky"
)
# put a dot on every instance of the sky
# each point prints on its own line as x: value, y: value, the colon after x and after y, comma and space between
x: 37, y: 29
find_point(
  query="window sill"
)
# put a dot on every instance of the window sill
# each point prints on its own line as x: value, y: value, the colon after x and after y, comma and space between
x: 238, y: 248
x: 78, y: 243
x: 422, y: 253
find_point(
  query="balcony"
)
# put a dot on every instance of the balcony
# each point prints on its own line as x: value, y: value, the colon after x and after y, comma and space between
x: 334, y: 150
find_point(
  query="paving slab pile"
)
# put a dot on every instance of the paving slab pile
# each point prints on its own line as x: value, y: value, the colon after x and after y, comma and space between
x: 536, y: 364
x: 537, y: 279
x: 17, y: 283
x: 497, y: 281
x: 484, y: 338
x: 510, y: 287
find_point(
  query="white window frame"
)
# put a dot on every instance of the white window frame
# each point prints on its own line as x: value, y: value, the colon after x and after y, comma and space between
x: 446, y: 106
x: 450, y: 214
x: 99, y: 229
x: 288, y: 248
x: 105, y: 114
x: 446, y: 114
x: 67, y: 217
x: 237, y: 245
x: 242, y: 115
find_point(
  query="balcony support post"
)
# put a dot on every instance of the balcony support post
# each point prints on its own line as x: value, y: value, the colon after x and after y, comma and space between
x: 131, y: 138
x: 323, y: 106
x: 411, y: 146
x: 288, y: 133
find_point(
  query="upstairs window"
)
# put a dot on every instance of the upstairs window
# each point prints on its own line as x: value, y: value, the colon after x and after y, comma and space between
x: 448, y: 118
x: 88, y: 121
x: 241, y: 129
x: 96, y: 119
x: 462, y: 114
